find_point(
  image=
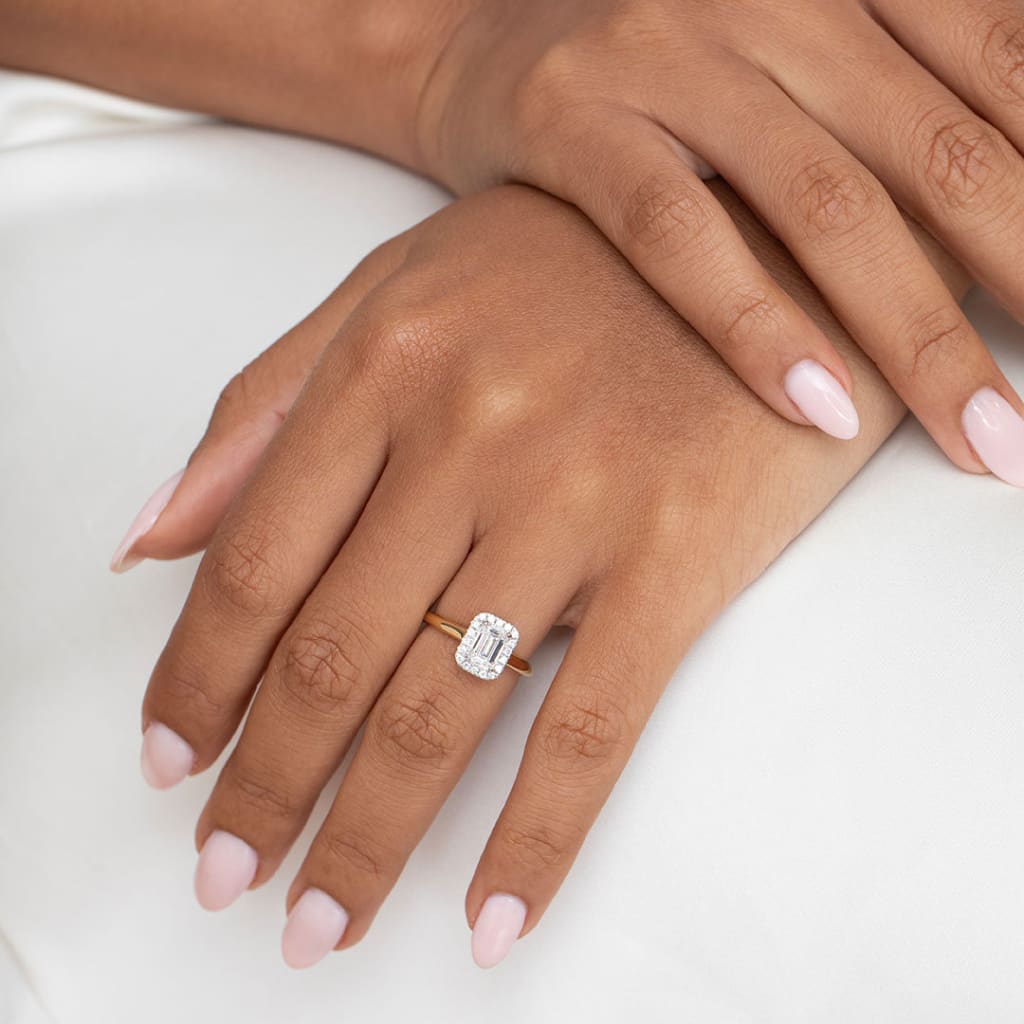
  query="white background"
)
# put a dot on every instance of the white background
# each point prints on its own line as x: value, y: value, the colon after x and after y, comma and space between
x: 822, y: 824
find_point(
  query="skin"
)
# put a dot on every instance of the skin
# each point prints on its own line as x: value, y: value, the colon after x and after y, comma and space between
x: 346, y: 480
x: 350, y: 479
x: 822, y: 116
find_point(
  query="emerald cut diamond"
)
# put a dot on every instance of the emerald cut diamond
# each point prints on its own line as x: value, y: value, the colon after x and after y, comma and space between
x: 487, y: 645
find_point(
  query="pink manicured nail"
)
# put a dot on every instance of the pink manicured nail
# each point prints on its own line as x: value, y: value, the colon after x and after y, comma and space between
x: 166, y: 757
x: 996, y: 433
x: 497, y: 927
x: 226, y: 868
x: 822, y: 399
x: 314, y: 927
x: 123, y: 559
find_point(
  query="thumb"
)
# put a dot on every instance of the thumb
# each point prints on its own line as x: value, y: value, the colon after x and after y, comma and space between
x: 183, y: 513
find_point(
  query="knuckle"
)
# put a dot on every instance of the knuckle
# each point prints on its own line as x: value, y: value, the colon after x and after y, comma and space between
x: 265, y: 799
x: 536, y: 846
x: 962, y: 157
x: 322, y: 664
x: 353, y: 852
x: 401, y: 348
x: 416, y: 731
x: 834, y: 199
x: 497, y: 408
x: 239, y: 570
x: 749, y: 320
x: 1002, y: 57
x: 189, y: 689
x: 588, y: 730
x: 583, y: 484
x: 667, y: 215
x: 679, y: 515
x: 938, y: 337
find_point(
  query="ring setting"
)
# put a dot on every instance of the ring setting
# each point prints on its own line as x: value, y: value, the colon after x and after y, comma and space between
x: 486, y: 645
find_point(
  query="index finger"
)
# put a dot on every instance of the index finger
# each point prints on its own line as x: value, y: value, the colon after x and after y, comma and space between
x: 275, y: 542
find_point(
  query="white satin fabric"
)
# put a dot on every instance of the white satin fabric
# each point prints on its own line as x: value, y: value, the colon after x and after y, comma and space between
x: 823, y: 822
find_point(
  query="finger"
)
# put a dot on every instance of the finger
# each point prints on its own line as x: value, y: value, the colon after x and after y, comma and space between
x: 942, y: 163
x: 633, y: 183
x: 327, y: 671
x: 976, y: 49
x: 268, y: 553
x: 184, y: 513
x: 620, y: 660
x: 841, y: 226
x: 418, y: 740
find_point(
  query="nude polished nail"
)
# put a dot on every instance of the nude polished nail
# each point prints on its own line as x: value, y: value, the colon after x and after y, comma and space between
x: 996, y: 433
x: 822, y: 399
x: 227, y: 865
x: 314, y: 927
x: 166, y: 757
x: 123, y: 559
x: 497, y: 927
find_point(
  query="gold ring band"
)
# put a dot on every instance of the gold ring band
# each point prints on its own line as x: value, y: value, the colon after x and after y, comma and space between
x: 485, y: 645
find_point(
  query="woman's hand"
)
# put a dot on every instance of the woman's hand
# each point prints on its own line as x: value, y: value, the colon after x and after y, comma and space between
x: 816, y: 112
x: 500, y: 416
x: 819, y: 112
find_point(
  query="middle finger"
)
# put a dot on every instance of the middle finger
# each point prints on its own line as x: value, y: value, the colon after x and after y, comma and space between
x: 326, y: 673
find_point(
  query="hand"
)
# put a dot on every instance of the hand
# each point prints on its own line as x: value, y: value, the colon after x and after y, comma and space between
x: 816, y: 112
x: 523, y: 428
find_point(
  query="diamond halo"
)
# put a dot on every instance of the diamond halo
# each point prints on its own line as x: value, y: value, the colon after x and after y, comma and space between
x: 487, y: 645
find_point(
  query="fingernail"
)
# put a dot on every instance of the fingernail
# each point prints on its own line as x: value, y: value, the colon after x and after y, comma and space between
x: 497, y: 927
x: 822, y: 399
x: 996, y: 433
x: 123, y: 559
x: 314, y: 927
x: 166, y: 757
x: 226, y: 868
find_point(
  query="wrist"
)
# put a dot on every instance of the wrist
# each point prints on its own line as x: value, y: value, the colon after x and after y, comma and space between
x: 371, y: 74
x: 350, y: 71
